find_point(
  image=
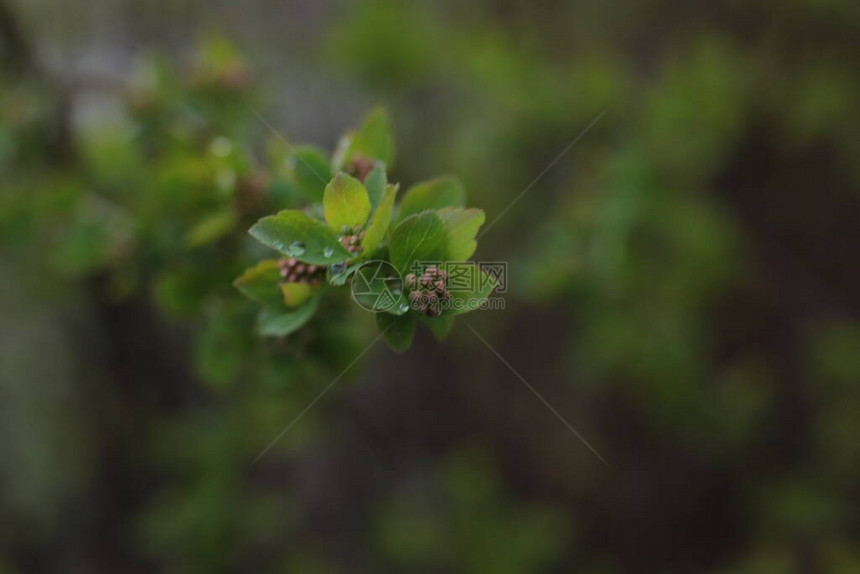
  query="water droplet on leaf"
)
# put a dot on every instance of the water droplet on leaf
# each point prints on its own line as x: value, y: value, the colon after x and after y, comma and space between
x: 296, y: 249
x: 328, y: 252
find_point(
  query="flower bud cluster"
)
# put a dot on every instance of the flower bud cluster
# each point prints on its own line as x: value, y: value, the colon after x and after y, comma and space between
x: 294, y: 271
x: 428, y: 290
x: 351, y: 238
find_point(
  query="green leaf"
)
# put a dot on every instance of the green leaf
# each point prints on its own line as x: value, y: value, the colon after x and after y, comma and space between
x: 462, y: 226
x: 295, y: 234
x: 261, y: 283
x: 311, y: 170
x: 380, y: 222
x: 273, y: 324
x: 439, y: 326
x: 444, y: 191
x: 339, y: 279
x: 296, y: 294
x: 400, y: 305
x: 399, y: 330
x: 345, y: 202
x: 421, y: 237
x: 376, y: 184
x: 374, y: 138
x: 465, y: 301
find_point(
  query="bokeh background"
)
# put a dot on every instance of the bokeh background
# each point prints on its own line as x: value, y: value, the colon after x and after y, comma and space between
x: 683, y: 289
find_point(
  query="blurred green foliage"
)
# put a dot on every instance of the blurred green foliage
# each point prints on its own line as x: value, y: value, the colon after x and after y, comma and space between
x: 458, y: 518
x: 157, y: 205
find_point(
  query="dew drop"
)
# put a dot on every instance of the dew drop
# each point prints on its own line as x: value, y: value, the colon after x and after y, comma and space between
x: 296, y: 249
x: 328, y: 252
